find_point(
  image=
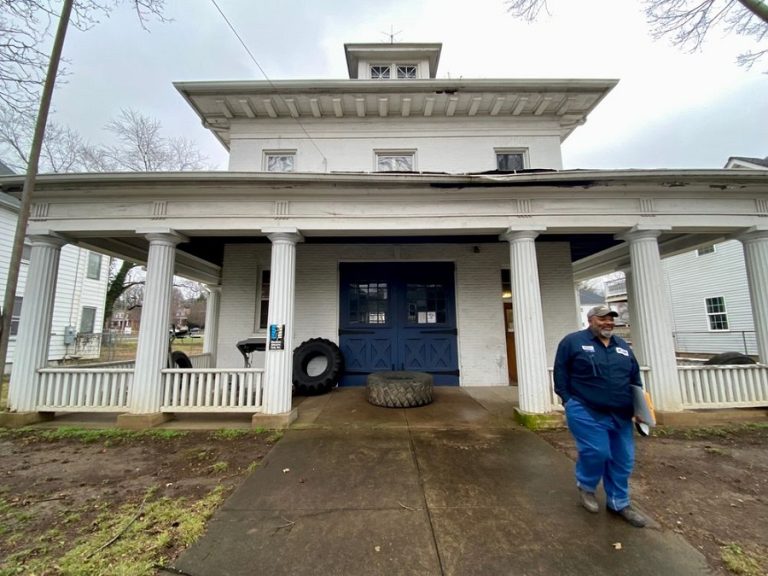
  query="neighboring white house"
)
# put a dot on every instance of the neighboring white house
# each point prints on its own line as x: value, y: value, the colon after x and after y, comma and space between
x: 79, y: 302
x: 421, y: 223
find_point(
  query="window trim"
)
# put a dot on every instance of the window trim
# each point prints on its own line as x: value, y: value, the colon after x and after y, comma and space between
x: 509, y: 151
x: 378, y: 153
x: 711, y: 315
x: 709, y: 249
x: 278, y: 152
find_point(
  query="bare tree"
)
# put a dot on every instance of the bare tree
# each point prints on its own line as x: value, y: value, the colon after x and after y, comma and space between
x: 142, y: 147
x: 687, y: 22
x: 24, y: 27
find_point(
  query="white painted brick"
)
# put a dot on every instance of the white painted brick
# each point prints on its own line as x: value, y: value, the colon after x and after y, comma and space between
x: 480, y: 317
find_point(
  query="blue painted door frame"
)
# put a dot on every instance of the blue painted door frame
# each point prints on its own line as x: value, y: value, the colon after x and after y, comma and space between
x: 398, y: 316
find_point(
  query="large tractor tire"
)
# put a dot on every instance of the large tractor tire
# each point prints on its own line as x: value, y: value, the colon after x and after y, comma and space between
x: 180, y: 360
x: 399, y: 389
x: 317, y: 366
x: 729, y: 359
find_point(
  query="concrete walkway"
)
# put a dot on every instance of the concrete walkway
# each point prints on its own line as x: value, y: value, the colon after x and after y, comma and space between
x: 453, y: 488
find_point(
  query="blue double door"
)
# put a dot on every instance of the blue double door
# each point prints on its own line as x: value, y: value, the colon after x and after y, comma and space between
x: 398, y: 316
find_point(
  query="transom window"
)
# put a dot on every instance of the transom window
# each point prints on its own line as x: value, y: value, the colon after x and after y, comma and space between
x: 395, y: 161
x: 510, y: 161
x: 368, y: 303
x: 426, y: 304
x: 280, y: 161
x: 716, y: 313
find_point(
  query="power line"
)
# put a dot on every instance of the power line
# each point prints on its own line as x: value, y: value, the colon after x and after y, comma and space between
x: 253, y: 58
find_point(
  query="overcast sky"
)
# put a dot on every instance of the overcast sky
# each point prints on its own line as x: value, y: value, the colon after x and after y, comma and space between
x: 670, y: 109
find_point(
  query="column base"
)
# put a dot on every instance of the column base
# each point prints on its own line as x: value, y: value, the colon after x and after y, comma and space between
x: 20, y: 419
x: 534, y: 421
x: 142, y: 421
x: 274, y: 421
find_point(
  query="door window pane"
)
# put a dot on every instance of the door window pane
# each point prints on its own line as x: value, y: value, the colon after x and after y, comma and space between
x: 426, y: 304
x: 368, y: 303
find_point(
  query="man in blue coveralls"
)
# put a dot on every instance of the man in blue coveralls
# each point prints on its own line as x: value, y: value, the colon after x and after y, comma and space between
x: 594, y: 371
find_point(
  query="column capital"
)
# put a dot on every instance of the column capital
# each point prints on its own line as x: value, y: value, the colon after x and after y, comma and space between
x: 165, y: 236
x: 51, y: 239
x: 752, y: 234
x: 283, y: 235
x: 522, y: 232
x: 642, y: 233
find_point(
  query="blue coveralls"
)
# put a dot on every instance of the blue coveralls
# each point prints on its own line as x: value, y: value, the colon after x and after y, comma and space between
x: 593, y: 380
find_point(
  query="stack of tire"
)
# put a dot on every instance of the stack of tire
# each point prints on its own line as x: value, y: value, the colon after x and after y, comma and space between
x: 317, y: 367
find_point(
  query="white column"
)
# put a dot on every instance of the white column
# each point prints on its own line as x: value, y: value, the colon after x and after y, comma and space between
x: 532, y: 376
x: 278, y: 364
x: 652, y: 318
x: 152, y: 350
x: 212, y: 308
x: 755, y: 244
x: 34, y: 334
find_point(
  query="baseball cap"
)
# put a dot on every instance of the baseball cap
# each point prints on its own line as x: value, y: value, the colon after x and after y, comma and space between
x: 600, y: 311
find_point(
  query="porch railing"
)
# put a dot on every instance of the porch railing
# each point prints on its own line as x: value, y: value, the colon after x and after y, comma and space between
x: 84, y: 389
x: 708, y: 387
x: 212, y: 390
x: 724, y: 386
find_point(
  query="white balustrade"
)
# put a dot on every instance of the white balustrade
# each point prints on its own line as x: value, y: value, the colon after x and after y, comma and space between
x: 83, y: 389
x: 213, y: 390
x: 724, y: 386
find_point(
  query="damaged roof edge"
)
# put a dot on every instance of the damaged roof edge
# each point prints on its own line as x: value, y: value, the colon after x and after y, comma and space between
x: 13, y: 183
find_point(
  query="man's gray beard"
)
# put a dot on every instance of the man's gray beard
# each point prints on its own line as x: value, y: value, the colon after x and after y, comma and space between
x: 605, y: 333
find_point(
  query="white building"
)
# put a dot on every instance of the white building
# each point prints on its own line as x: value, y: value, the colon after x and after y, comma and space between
x: 420, y: 223
x: 78, y: 311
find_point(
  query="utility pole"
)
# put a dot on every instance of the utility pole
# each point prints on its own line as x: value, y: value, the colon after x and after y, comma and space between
x: 29, y: 182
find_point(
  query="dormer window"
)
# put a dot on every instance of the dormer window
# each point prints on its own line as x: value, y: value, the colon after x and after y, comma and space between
x: 402, y: 71
x: 379, y: 72
x: 406, y: 72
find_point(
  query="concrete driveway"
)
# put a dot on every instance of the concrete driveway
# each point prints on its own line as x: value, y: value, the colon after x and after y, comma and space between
x: 453, y: 488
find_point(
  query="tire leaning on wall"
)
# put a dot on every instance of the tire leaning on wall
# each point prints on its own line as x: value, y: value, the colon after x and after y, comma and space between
x: 180, y: 360
x: 317, y: 366
x: 399, y: 389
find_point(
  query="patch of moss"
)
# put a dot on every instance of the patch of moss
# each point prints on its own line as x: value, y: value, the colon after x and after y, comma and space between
x: 738, y: 561
x: 538, y: 421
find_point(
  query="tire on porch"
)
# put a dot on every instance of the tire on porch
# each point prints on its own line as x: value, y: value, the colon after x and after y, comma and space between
x: 317, y: 366
x: 399, y: 389
x: 729, y: 358
x: 180, y: 360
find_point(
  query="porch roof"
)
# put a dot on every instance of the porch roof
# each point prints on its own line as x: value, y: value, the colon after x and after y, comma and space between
x: 585, y: 207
